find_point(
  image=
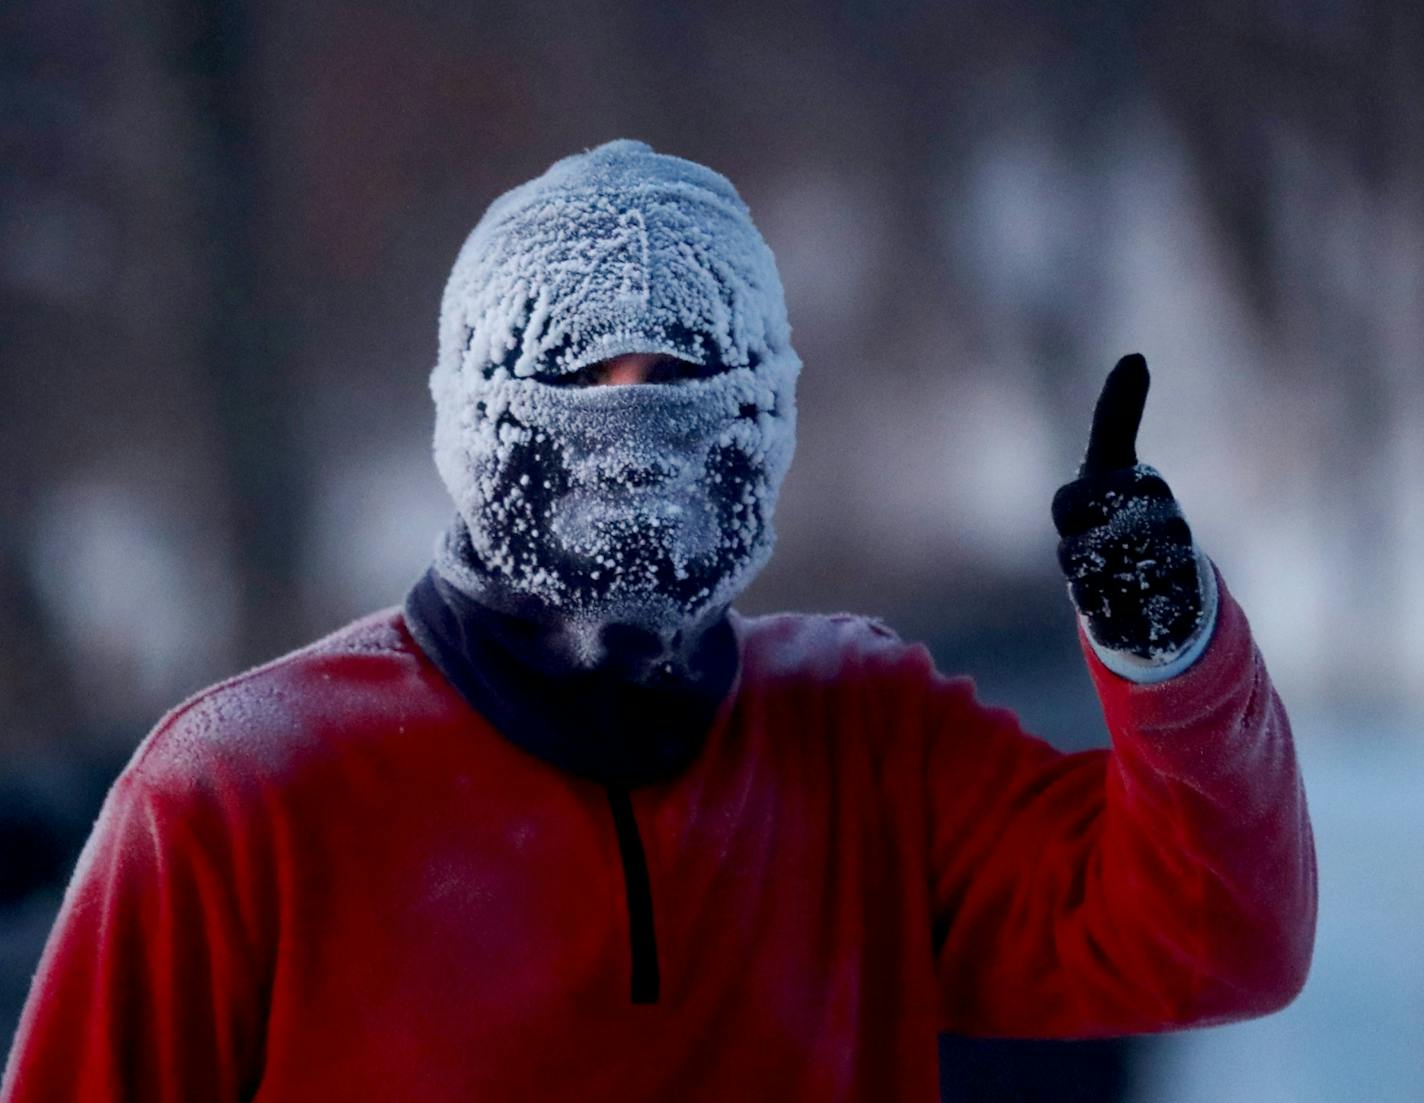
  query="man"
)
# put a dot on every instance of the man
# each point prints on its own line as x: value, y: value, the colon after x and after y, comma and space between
x: 567, y: 827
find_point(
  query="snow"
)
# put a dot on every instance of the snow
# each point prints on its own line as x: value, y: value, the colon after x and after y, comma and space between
x: 651, y: 502
x: 1131, y: 550
x: 1161, y: 664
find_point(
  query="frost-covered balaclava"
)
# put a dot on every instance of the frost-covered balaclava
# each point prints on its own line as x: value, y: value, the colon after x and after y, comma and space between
x: 646, y: 505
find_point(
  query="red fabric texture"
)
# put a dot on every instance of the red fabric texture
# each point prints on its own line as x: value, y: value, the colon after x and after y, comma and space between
x: 330, y: 879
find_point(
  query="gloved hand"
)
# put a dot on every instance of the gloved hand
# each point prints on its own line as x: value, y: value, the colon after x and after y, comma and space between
x: 1128, y: 553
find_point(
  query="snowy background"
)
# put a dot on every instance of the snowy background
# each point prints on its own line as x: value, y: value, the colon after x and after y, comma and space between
x: 224, y: 228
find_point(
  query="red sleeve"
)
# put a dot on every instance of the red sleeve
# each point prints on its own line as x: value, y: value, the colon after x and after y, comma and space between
x: 1169, y: 882
x: 149, y: 988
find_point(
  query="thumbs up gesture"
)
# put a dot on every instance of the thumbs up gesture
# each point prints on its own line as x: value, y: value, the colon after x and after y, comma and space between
x: 1125, y: 547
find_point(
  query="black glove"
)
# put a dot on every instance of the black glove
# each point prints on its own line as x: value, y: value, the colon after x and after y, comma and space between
x: 1125, y: 547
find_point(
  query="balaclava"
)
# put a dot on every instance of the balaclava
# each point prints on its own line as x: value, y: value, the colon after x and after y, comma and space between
x: 604, y: 509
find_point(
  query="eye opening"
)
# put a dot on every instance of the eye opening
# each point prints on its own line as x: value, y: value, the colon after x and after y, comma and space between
x: 673, y: 369
x: 665, y: 368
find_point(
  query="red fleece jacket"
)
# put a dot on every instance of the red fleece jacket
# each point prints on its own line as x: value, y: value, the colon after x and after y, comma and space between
x: 330, y: 879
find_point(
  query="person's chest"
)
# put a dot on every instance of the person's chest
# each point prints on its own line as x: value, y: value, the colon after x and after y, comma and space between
x: 463, y: 910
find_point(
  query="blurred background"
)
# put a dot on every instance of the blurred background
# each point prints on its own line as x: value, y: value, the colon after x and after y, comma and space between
x: 224, y: 230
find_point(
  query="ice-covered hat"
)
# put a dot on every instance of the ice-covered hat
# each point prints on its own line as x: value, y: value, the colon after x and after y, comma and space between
x: 617, y: 249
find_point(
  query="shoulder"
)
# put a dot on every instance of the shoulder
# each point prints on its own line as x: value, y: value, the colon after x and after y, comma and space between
x: 834, y: 648
x: 265, y: 721
x: 851, y: 684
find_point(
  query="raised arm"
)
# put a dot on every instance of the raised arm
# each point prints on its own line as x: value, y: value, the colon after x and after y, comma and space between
x: 1170, y: 881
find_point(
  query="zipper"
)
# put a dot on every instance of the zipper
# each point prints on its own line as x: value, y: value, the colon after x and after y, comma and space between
x: 642, y: 940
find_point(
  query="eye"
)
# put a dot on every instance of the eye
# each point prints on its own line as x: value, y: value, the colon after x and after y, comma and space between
x: 669, y: 369
x: 587, y: 376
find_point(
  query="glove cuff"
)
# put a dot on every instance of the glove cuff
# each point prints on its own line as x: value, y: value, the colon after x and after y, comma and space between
x: 1134, y: 668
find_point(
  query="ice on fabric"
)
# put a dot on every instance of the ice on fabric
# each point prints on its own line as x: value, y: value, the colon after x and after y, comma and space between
x: 647, y: 504
x: 1134, y: 571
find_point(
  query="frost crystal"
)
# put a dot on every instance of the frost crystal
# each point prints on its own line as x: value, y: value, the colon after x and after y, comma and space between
x: 645, y: 504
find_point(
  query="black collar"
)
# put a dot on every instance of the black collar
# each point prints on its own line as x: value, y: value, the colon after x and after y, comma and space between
x: 594, y: 724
